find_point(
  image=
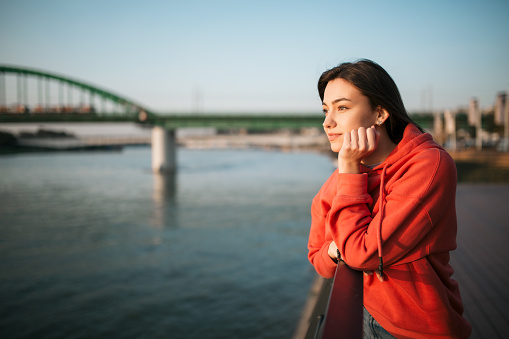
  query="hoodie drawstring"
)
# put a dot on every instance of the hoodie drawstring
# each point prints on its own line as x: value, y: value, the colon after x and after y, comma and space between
x: 379, y: 230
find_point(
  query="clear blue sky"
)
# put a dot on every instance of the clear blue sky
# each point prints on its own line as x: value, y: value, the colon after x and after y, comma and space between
x: 262, y: 55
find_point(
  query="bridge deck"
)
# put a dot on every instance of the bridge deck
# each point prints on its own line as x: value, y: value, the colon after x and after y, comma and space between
x: 480, y: 263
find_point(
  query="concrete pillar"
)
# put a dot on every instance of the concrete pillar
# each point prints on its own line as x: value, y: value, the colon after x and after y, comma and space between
x: 163, y: 150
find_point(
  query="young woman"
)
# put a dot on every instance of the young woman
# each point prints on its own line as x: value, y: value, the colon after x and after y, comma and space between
x: 389, y: 208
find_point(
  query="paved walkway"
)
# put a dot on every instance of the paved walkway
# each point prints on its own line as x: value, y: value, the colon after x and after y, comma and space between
x: 481, y: 262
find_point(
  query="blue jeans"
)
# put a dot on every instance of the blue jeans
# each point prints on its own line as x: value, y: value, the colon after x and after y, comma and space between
x: 372, y: 329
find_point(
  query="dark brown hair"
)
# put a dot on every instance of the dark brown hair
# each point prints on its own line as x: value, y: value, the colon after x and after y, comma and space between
x: 376, y: 84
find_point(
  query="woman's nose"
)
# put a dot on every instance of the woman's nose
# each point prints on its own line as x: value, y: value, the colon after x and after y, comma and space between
x: 328, y: 122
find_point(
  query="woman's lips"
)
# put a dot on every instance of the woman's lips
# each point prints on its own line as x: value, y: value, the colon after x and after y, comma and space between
x: 333, y: 136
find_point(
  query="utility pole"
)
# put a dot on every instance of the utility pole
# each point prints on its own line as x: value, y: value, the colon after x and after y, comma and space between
x: 3, y: 96
x: 506, y: 127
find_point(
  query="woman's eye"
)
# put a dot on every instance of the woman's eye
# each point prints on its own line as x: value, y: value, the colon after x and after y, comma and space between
x: 325, y: 111
x: 342, y: 108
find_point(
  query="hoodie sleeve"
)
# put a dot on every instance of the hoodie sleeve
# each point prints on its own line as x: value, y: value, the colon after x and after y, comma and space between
x: 319, y: 236
x: 416, y: 198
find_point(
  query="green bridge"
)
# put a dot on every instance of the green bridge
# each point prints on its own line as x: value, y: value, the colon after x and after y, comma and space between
x: 36, y: 96
x: 100, y: 105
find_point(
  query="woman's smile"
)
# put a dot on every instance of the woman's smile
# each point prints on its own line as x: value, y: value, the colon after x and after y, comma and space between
x: 333, y: 136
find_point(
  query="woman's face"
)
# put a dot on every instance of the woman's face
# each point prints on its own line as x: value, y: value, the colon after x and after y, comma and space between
x: 345, y: 109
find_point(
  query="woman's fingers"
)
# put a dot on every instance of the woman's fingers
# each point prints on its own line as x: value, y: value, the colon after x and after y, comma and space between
x: 346, y: 140
x: 353, y: 139
x: 371, y: 139
x: 357, y: 144
x: 360, y: 140
x: 377, y: 272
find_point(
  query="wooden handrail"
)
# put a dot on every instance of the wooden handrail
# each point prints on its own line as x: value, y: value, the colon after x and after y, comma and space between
x: 339, y: 309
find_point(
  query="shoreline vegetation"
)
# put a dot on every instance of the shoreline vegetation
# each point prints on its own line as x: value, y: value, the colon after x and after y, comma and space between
x: 486, y: 166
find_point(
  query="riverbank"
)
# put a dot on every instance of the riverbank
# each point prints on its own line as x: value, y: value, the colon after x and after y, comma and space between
x: 45, y: 140
x: 270, y: 141
x: 488, y: 166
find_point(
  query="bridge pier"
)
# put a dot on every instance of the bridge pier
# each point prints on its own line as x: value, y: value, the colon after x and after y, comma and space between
x: 163, y: 150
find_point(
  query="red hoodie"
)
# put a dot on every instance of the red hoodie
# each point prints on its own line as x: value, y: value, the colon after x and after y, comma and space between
x: 401, y: 212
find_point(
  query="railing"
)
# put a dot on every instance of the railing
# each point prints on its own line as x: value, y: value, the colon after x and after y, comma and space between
x: 338, y: 312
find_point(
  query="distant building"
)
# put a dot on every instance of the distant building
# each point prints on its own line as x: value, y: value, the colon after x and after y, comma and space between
x: 500, y: 103
x: 473, y: 112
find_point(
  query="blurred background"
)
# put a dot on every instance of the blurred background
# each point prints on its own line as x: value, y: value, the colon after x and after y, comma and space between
x: 264, y: 55
x: 158, y: 158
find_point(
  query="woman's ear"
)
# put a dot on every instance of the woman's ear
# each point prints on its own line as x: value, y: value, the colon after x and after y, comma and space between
x: 382, y: 116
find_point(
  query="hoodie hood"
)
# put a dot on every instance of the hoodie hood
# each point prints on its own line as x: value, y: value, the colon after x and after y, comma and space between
x: 413, y: 140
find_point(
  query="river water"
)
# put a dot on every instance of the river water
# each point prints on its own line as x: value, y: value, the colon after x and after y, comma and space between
x: 94, y: 245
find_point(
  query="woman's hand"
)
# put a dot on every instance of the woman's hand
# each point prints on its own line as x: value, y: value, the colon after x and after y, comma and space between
x: 334, y: 255
x: 333, y: 251
x: 377, y: 272
x: 357, y: 145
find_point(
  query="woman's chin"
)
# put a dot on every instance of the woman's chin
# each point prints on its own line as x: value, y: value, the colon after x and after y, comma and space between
x: 335, y: 148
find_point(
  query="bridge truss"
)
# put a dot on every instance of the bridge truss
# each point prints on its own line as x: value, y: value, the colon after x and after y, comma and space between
x: 30, y: 95
x: 82, y: 102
